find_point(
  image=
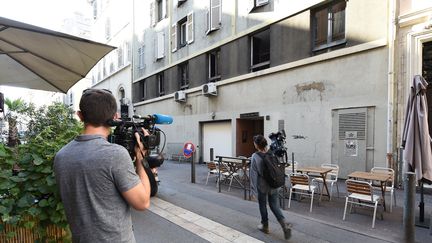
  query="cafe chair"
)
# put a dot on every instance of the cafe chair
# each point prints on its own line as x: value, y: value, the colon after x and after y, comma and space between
x: 361, y: 193
x: 212, y: 171
x: 289, y: 169
x: 389, y: 186
x: 228, y: 173
x: 331, y: 178
x: 302, y: 185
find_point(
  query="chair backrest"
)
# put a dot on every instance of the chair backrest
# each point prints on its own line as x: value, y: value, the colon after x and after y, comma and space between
x: 211, y: 165
x: 335, y: 170
x: 360, y: 187
x: 387, y: 171
x: 297, y: 178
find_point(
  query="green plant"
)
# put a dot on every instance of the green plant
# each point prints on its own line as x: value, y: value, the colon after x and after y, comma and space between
x: 29, y: 197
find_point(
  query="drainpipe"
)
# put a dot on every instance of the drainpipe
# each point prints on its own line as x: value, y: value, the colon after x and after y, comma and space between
x: 390, y: 81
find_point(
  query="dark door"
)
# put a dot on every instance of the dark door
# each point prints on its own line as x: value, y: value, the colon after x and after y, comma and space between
x: 427, y: 75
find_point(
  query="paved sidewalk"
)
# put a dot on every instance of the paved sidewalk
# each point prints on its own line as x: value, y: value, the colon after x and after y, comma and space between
x: 228, y: 209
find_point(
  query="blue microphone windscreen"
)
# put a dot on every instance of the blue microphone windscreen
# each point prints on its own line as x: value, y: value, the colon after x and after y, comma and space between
x: 163, y: 119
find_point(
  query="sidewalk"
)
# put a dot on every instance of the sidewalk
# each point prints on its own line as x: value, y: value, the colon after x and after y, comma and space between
x: 324, y: 224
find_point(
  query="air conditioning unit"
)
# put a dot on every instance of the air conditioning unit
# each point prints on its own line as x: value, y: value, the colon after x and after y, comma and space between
x: 209, y: 89
x: 180, y: 96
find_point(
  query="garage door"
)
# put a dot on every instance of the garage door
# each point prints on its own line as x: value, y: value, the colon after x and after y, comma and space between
x: 217, y: 135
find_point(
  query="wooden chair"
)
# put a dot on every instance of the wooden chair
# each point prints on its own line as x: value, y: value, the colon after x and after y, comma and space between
x: 331, y: 178
x: 361, y: 193
x: 390, y: 184
x: 302, y: 186
x: 212, y: 171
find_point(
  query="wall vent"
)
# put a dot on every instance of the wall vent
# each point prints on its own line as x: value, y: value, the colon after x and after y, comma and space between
x: 353, y: 124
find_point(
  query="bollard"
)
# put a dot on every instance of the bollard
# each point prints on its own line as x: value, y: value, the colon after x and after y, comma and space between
x: 211, y: 154
x: 409, y: 207
x: 192, y: 169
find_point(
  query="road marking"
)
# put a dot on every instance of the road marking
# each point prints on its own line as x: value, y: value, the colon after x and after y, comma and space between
x: 195, y: 223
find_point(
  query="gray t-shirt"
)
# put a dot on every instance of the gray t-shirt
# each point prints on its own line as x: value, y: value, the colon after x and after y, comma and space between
x: 91, y: 174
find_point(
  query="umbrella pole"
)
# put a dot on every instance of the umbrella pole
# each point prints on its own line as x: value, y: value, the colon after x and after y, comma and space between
x: 421, y: 222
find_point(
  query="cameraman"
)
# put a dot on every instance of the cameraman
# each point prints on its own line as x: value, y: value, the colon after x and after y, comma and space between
x: 97, y: 180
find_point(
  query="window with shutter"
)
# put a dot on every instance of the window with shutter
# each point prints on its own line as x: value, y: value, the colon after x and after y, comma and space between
x: 190, y: 28
x: 153, y: 13
x: 328, y: 25
x: 160, y: 52
x: 182, y: 25
x: 215, y: 15
x: 174, y: 37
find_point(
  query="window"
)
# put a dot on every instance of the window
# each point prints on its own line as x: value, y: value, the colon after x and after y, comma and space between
x: 214, y: 16
x: 180, y: 2
x: 260, y: 50
x: 108, y: 29
x: 160, y: 47
x: 328, y: 25
x: 184, y: 75
x: 157, y: 11
x: 143, y: 89
x: 141, y: 57
x: 214, y: 62
x: 256, y: 4
x: 182, y: 32
x: 161, y: 84
x: 120, y: 57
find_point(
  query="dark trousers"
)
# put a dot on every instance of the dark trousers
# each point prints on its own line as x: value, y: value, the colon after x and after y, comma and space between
x: 273, y: 203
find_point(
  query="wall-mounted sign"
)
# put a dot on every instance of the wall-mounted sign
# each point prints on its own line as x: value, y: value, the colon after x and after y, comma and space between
x: 351, y: 148
x: 249, y: 115
x: 351, y: 135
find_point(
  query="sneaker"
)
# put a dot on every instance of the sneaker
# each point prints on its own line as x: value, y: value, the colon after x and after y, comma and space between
x: 264, y: 228
x: 287, y: 231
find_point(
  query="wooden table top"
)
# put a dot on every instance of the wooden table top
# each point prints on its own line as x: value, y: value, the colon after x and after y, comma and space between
x: 314, y: 169
x: 370, y: 176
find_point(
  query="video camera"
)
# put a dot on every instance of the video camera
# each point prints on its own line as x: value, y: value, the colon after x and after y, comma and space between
x: 277, y: 145
x: 125, y: 129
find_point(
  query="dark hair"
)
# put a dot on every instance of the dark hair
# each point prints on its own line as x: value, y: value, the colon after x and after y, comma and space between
x: 97, y: 106
x: 260, y: 141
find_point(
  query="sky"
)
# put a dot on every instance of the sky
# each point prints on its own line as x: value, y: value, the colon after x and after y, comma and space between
x: 44, y: 13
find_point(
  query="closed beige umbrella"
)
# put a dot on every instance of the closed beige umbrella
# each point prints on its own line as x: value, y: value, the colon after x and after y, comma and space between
x: 38, y: 58
x: 416, y: 140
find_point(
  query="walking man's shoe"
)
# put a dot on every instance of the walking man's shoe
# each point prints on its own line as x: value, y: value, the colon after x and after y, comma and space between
x: 264, y: 228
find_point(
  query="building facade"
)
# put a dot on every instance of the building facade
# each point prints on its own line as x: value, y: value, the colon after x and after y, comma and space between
x: 112, y: 25
x: 228, y: 70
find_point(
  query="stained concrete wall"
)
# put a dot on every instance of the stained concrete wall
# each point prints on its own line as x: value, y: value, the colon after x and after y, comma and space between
x: 303, y: 97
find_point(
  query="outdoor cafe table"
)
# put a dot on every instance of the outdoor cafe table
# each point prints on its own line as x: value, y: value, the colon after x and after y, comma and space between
x: 381, y: 177
x: 317, y: 170
x: 233, y: 165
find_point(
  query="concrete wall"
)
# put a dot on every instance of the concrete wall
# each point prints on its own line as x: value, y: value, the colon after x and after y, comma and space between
x: 303, y: 97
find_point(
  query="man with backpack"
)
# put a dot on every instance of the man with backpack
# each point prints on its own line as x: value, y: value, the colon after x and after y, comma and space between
x: 265, y: 183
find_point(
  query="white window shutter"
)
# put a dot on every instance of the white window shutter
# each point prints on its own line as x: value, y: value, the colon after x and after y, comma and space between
x: 164, y: 9
x: 190, y: 28
x: 251, y: 5
x: 174, y: 37
x: 215, y: 14
x: 208, y: 21
x: 160, y: 53
x: 153, y: 13
x: 261, y: 2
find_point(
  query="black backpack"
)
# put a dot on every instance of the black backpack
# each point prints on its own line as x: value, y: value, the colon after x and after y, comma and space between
x: 273, y: 171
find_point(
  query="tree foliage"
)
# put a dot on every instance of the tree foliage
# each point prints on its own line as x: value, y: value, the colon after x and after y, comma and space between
x: 30, y: 197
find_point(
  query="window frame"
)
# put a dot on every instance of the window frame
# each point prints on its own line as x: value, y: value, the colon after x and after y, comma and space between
x: 216, y: 77
x: 211, y: 11
x: 329, y: 25
x: 261, y: 65
x: 161, y: 83
x: 182, y: 32
x: 183, y: 83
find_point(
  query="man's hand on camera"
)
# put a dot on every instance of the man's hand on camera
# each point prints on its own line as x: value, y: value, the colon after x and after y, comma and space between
x: 140, y: 151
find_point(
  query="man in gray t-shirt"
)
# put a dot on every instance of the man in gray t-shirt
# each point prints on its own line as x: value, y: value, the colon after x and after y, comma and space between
x: 97, y: 180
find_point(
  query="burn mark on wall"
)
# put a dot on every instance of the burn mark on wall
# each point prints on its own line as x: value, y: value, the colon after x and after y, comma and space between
x: 302, y: 89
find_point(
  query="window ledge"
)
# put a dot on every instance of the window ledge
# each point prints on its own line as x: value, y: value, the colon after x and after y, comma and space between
x: 331, y: 44
x: 215, y: 78
x: 183, y: 87
x: 260, y: 65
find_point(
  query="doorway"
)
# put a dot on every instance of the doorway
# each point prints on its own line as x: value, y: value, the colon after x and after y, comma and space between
x: 246, y: 129
x: 427, y: 75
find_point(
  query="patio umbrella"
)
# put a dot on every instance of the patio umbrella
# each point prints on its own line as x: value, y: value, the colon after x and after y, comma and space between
x: 415, y: 138
x: 38, y: 58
